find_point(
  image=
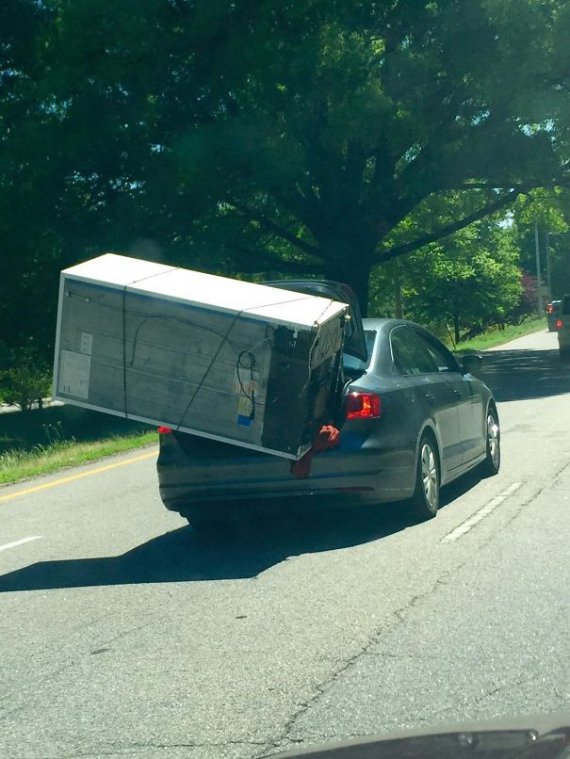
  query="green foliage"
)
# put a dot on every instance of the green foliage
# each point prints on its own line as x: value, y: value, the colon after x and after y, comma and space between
x: 549, y: 208
x: 545, y: 214
x: 313, y: 136
x: 463, y: 283
x: 526, y: 308
x: 351, y: 130
x: 25, y: 381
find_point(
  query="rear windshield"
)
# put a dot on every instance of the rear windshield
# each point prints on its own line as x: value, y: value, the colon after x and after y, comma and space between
x: 353, y: 364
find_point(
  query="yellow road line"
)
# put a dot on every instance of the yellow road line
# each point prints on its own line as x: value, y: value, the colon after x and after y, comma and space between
x: 73, y: 477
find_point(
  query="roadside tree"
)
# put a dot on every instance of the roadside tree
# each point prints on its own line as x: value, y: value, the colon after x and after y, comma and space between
x: 462, y: 284
x: 316, y: 136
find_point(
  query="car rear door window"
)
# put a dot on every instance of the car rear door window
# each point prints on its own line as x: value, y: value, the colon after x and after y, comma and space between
x: 410, y: 353
x: 414, y: 353
x: 443, y: 360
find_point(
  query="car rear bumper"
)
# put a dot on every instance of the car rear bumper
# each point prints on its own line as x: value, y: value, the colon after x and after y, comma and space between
x: 191, y: 472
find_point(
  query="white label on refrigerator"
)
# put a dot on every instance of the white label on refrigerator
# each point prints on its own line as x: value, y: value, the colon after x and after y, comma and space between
x: 75, y: 370
x: 86, y: 344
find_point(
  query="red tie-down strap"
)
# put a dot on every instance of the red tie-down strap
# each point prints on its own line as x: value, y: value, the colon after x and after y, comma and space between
x: 327, y: 437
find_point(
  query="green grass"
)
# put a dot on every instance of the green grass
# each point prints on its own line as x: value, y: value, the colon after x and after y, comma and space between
x: 21, y: 465
x: 496, y: 336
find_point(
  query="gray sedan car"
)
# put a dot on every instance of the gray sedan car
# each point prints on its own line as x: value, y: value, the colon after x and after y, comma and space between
x: 412, y: 418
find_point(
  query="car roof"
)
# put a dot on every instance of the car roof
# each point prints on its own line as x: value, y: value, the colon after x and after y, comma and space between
x: 385, y: 323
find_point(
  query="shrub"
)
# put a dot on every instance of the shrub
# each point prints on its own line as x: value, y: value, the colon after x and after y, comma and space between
x: 25, y: 381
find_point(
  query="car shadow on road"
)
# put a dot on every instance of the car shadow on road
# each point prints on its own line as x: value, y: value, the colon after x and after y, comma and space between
x: 515, y: 375
x: 186, y: 555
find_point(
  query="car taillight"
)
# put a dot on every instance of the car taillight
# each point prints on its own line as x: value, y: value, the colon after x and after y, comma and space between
x: 559, y: 324
x: 362, y: 406
x: 164, y: 430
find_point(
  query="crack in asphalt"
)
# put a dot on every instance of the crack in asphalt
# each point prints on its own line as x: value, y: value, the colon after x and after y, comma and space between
x: 64, y: 667
x: 515, y: 682
x: 429, y: 720
x: 560, y: 472
x: 534, y: 495
x: 401, y: 616
x: 320, y: 689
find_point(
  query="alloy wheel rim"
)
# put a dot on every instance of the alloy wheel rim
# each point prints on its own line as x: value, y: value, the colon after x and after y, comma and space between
x: 429, y: 475
x: 493, y: 439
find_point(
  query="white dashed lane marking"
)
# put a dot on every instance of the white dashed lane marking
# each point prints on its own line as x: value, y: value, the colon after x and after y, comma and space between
x: 19, y: 542
x: 464, y: 528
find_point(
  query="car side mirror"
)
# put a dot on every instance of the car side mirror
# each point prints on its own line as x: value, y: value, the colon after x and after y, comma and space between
x: 471, y: 362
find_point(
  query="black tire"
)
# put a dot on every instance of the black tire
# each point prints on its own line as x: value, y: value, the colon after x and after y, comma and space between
x: 564, y: 354
x: 492, y: 463
x: 425, y: 501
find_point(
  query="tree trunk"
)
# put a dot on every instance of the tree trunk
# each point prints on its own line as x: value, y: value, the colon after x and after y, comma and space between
x: 353, y: 268
x: 456, y: 327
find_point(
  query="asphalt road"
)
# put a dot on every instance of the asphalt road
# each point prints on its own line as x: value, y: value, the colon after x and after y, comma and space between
x: 124, y: 633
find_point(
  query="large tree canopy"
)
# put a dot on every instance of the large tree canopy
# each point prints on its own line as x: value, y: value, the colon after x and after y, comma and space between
x: 339, y: 122
x: 320, y: 136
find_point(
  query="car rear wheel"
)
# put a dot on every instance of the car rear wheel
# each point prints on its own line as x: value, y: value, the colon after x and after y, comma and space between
x: 492, y: 462
x: 425, y: 501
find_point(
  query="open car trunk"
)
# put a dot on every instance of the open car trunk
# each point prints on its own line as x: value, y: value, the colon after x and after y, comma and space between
x: 354, y: 340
